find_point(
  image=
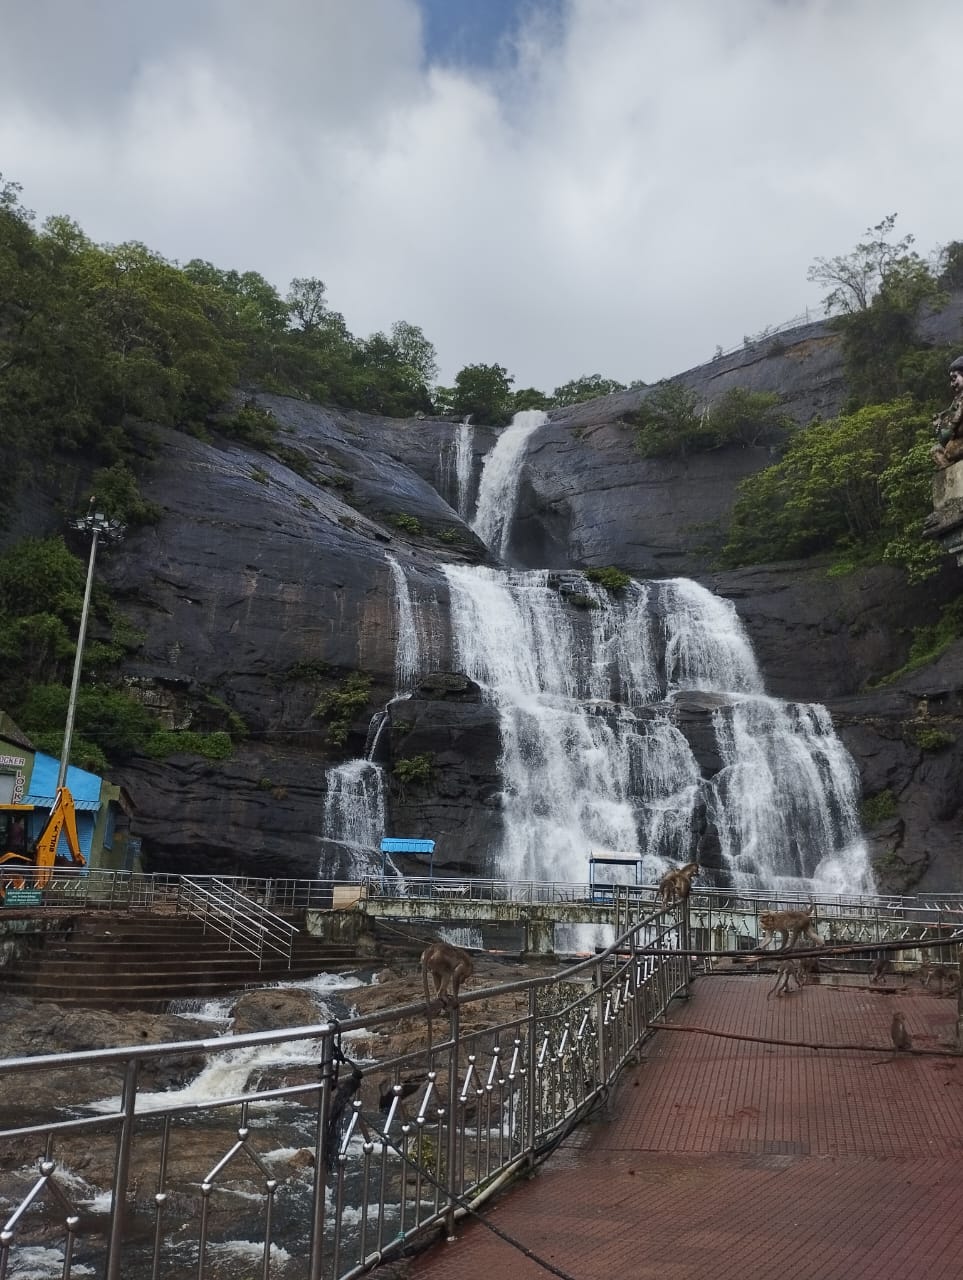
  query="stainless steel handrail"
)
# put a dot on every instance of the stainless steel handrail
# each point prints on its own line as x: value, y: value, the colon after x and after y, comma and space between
x: 244, y: 922
x: 488, y: 1102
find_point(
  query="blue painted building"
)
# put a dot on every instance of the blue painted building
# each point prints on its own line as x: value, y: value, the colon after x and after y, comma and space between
x: 28, y: 787
x: 83, y: 786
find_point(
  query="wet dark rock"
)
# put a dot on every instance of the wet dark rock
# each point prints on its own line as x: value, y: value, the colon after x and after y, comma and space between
x: 271, y: 1008
x: 266, y: 583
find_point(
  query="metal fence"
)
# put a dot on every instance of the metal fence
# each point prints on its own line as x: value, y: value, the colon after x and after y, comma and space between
x: 161, y: 1182
x: 124, y: 890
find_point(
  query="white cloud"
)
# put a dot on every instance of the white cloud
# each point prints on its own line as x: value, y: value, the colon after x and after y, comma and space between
x: 644, y: 182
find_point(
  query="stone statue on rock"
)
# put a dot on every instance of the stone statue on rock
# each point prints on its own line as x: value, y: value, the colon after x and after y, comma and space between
x: 948, y: 425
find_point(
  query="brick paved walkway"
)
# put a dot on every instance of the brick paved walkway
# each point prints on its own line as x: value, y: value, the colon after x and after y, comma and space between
x: 737, y: 1161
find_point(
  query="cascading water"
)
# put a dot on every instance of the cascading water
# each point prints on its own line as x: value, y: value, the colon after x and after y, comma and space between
x: 591, y: 760
x: 498, y: 487
x: 354, y: 813
x: 589, y: 686
x: 354, y: 804
x: 456, y: 468
x: 785, y: 801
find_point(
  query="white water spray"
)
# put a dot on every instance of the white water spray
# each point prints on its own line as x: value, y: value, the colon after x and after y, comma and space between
x: 354, y: 813
x: 591, y: 760
x: 501, y: 474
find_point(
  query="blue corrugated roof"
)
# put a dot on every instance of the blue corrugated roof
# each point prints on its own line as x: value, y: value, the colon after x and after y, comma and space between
x: 395, y: 845
x: 46, y: 802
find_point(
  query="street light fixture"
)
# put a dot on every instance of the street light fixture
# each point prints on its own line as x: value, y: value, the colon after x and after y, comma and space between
x: 98, y: 526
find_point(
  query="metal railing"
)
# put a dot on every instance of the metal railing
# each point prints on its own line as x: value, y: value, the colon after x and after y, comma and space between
x: 182, y: 1177
x: 243, y: 921
x: 124, y: 890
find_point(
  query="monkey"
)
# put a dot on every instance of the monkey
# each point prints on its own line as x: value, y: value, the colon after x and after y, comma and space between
x: 449, y: 967
x: 881, y: 968
x: 902, y: 1040
x: 793, y: 925
x: 788, y: 972
x: 928, y: 972
x: 676, y: 884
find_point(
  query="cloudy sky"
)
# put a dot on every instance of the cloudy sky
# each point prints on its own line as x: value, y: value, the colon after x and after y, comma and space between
x: 559, y: 186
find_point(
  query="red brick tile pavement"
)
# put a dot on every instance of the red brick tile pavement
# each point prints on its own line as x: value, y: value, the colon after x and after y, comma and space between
x: 737, y: 1161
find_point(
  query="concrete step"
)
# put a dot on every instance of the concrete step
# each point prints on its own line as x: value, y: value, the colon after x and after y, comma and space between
x: 104, y: 960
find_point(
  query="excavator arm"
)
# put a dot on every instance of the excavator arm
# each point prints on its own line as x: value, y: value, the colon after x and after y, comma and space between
x: 63, y: 819
x: 38, y: 865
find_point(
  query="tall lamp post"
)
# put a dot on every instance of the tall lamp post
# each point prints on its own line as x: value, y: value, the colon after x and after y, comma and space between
x: 98, y: 526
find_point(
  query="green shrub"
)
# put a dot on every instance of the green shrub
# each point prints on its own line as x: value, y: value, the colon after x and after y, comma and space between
x: 669, y: 422
x: 343, y: 704
x: 252, y: 424
x: 878, y: 808
x: 929, y: 738
x: 609, y: 577
x: 857, y: 486
x: 415, y: 769
x: 172, y: 742
x: 118, y: 495
x: 408, y: 524
x: 748, y: 417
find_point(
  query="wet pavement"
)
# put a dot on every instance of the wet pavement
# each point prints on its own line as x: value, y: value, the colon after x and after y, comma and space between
x: 738, y: 1160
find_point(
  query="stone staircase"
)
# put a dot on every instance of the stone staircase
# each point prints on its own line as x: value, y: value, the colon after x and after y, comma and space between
x: 146, y: 960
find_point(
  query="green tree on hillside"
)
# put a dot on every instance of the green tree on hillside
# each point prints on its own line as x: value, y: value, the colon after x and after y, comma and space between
x: 670, y: 421
x: 875, y: 294
x: 857, y: 487
x: 854, y: 279
x: 588, y: 387
x: 485, y: 392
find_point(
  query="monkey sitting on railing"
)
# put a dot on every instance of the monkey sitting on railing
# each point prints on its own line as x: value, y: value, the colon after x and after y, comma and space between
x: 676, y: 884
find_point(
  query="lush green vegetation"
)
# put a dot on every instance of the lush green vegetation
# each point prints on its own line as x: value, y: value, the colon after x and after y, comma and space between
x: 672, y: 421
x: 857, y: 487
x: 878, y: 808
x: 415, y: 770
x: 343, y: 704
x: 609, y: 577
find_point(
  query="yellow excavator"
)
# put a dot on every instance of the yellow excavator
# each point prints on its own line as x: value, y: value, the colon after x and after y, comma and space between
x: 22, y: 868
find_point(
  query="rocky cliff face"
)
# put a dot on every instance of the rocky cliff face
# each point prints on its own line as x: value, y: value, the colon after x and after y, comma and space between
x: 266, y: 583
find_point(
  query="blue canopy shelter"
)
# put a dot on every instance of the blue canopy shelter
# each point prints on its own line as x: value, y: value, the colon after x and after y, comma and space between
x: 416, y: 848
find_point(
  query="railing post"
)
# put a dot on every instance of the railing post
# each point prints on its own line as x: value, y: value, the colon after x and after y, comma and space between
x: 322, y: 1156
x: 452, y: 1153
x: 532, y: 1074
x: 118, y: 1207
x: 598, y: 980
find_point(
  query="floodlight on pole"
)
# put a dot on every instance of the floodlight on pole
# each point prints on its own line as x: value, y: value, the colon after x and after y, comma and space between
x: 98, y: 526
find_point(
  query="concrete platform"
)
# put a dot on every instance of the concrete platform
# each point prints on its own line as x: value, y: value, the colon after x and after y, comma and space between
x: 741, y: 1161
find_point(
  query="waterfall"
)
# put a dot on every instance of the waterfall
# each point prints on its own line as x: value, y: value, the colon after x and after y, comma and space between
x: 498, y: 487
x: 581, y: 772
x: 456, y: 467
x: 785, y: 801
x: 354, y: 805
x: 706, y: 646
x: 354, y: 813
x: 407, y: 648
x: 592, y: 761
